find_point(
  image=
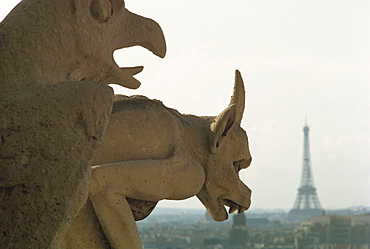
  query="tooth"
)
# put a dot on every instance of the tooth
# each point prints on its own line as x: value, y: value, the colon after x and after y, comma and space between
x: 133, y: 70
x: 233, y: 208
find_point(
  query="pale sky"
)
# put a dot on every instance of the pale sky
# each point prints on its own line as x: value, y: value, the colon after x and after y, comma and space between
x: 298, y: 59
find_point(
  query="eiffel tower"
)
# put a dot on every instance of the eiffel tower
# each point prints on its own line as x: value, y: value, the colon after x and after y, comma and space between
x: 307, y: 203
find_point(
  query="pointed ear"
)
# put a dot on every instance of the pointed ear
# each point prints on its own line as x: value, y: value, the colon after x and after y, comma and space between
x: 222, y: 124
x: 101, y: 10
x: 238, y: 97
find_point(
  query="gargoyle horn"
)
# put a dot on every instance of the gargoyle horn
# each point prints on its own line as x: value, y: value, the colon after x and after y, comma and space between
x: 233, y: 114
x: 238, y: 97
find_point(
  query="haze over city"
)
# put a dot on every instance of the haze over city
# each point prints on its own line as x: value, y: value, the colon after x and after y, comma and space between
x: 299, y: 60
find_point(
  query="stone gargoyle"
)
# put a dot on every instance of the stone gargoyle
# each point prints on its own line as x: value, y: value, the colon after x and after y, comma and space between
x: 53, y: 114
x: 149, y: 153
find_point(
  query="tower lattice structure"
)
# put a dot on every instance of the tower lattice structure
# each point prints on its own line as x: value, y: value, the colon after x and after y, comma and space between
x: 307, y: 203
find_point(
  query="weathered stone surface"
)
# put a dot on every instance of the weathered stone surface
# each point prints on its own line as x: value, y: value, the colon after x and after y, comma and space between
x: 48, y: 137
x: 150, y: 152
x: 50, y: 41
x: 85, y: 231
x: 50, y: 130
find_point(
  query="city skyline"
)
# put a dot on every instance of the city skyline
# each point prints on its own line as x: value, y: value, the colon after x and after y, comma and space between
x: 297, y: 59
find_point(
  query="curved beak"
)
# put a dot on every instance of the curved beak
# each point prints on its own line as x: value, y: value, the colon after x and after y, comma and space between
x: 143, y: 32
x: 137, y: 31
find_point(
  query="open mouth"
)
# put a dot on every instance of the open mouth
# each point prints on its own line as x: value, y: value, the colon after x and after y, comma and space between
x: 233, y: 206
x: 158, y: 49
x: 217, y: 206
x: 124, y: 76
x: 142, y: 32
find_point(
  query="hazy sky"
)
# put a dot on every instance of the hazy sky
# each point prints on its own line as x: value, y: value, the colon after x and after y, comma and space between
x: 298, y: 59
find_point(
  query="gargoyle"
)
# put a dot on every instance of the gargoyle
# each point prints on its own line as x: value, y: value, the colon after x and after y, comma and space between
x: 53, y: 113
x: 50, y: 41
x: 149, y: 153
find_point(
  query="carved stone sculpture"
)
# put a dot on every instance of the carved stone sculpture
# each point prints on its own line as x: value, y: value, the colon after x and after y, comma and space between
x: 149, y: 153
x: 52, y: 115
x: 48, y: 136
x: 50, y: 41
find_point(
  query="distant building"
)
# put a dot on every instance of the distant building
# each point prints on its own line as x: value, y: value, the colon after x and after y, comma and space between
x: 347, y: 231
x: 213, y: 242
x: 258, y: 222
x: 238, y: 230
x: 237, y: 235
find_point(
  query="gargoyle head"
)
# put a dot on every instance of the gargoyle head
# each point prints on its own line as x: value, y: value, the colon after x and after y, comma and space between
x: 125, y: 29
x: 50, y: 41
x: 229, y: 154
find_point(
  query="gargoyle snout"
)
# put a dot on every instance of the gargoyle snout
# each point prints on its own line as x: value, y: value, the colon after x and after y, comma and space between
x: 246, y: 192
x: 128, y: 30
x: 143, y: 32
